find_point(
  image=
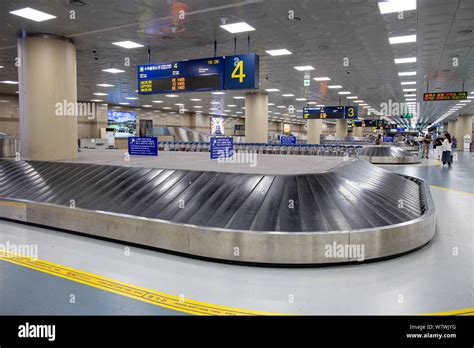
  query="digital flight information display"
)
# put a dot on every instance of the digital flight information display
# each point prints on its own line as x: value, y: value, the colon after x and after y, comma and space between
x: 192, y: 75
x: 443, y: 96
x: 331, y: 112
x: 200, y: 75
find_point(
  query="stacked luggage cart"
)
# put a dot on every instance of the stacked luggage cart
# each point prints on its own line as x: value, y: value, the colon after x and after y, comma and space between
x: 269, y: 149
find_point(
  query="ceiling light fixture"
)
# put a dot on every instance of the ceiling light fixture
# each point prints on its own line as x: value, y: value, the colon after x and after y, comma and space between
x: 236, y: 28
x: 279, y: 52
x: 128, y: 44
x: 405, y: 60
x: 408, y: 83
x: 322, y: 79
x: 344, y: 93
x: 402, y: 39
x: 9, y: 82
x: 33, y: 14
x: 304, y: 68
x: 391, y: 6
x: 113, y: 71
x: 335, y: 87
x: 407, y: 73
x: 104, y: 85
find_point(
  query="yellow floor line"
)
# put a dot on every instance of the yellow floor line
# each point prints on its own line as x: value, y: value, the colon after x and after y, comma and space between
x: 146, y: 295
x: 453, y: 190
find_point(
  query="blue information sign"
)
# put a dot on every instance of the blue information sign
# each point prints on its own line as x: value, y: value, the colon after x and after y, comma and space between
x: 143, y: 146
x: 331, y: 112
x: 242, y: 71
x: 285, y: 140
x: 222, y: 148
x: 199, y: 75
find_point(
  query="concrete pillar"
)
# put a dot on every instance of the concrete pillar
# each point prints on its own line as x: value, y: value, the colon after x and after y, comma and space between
x: 452, y: 128
x: 315, y: 129
x: 341, y: 128
x: 256, y: 118
x: 47, y: 78
x: 357, y: 132
x: 464, y: 127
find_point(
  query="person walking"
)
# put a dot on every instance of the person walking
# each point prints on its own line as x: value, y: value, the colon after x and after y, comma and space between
x: 426, y: 145
x: 447, y: 157
x: 438, y: 145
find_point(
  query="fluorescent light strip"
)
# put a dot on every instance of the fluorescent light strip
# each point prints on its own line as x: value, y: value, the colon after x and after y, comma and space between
x: 322, y: 79
x: 128, y: 44
x: 304, y: 68
x: 113, y: 71
x: 402, y: 39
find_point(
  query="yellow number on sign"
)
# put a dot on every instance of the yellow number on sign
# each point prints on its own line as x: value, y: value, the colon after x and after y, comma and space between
x: 239, y: 72
x: 351, y: 112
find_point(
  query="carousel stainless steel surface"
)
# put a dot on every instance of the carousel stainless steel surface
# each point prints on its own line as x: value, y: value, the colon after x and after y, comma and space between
x: 387, y: 155
x: 9, y: 145
x: 278, y: 219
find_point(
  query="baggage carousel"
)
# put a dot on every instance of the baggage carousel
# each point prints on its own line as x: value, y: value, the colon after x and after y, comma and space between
x: 303, y: 219
x: 387, y: 155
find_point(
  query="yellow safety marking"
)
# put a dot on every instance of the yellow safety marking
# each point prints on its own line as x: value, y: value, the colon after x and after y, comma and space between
x: 147, y: 295
x: 465, y: 311
x: 453, y: 190
x: 138, y: 293
x: 13, y: 204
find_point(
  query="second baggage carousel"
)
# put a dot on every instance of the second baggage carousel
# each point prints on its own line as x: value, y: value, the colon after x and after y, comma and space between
x: 307, y: 218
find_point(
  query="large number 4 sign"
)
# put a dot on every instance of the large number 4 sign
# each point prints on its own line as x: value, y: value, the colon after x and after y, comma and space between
x: 238, y: 72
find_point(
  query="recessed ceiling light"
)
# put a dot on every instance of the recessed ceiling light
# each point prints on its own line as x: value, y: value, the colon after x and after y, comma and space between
x: 272, y: 90
x: 113, y: 71
x: 167, y: 108
x: 466, y: 101
x: 470, y: 97
x: 9, y: 82
x: 287, y: 95
x: 353, y: 97
x: 179, y: 104
x: 304, y: 68
x: 281, y: 106
x: 235, y: 28
x: 96, y: 100
x: 239, y: 97
x: 344, y: 93
x: 32, y: 14
x: 171, y: 96
x: 147, y: 106
x: 104, y: 85
x: 402, y: 39
x: 127, y: 44
x: 124, y: 103
x: 410, y: 95
x: 280, y: 52
x: 301, y: 99
x: 322, y: 79
x: 410, y: 99
x: 335, y: 87
x: 409, y: 90
x: 271, y: 104
x: 232, y: 106
x: 99, y: 93
x: 218, y: 93
x: 197, y: 106
x: 358, y: 101
x: 195, y: 100
x: 215, y: 103
x: 158, y: 101
x: 132, y: 98
x: 392, y: 6
x: 407, y: 73
x: 407, y: 83
x: 405, y: 60
x: 1, y: 66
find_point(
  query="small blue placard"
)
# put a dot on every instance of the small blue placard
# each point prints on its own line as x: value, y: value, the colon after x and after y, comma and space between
x: 284, y: 140
x: 143, y: 146
x: 222, y: 148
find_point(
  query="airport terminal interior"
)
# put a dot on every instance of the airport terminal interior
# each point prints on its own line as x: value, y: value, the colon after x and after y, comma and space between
x: 236, y: 157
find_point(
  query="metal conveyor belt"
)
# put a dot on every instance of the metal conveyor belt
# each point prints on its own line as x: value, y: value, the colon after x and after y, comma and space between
x: 269, y: 218
x: 387, y: 155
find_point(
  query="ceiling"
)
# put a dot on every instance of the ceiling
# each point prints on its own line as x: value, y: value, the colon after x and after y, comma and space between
x: 325, y: 33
